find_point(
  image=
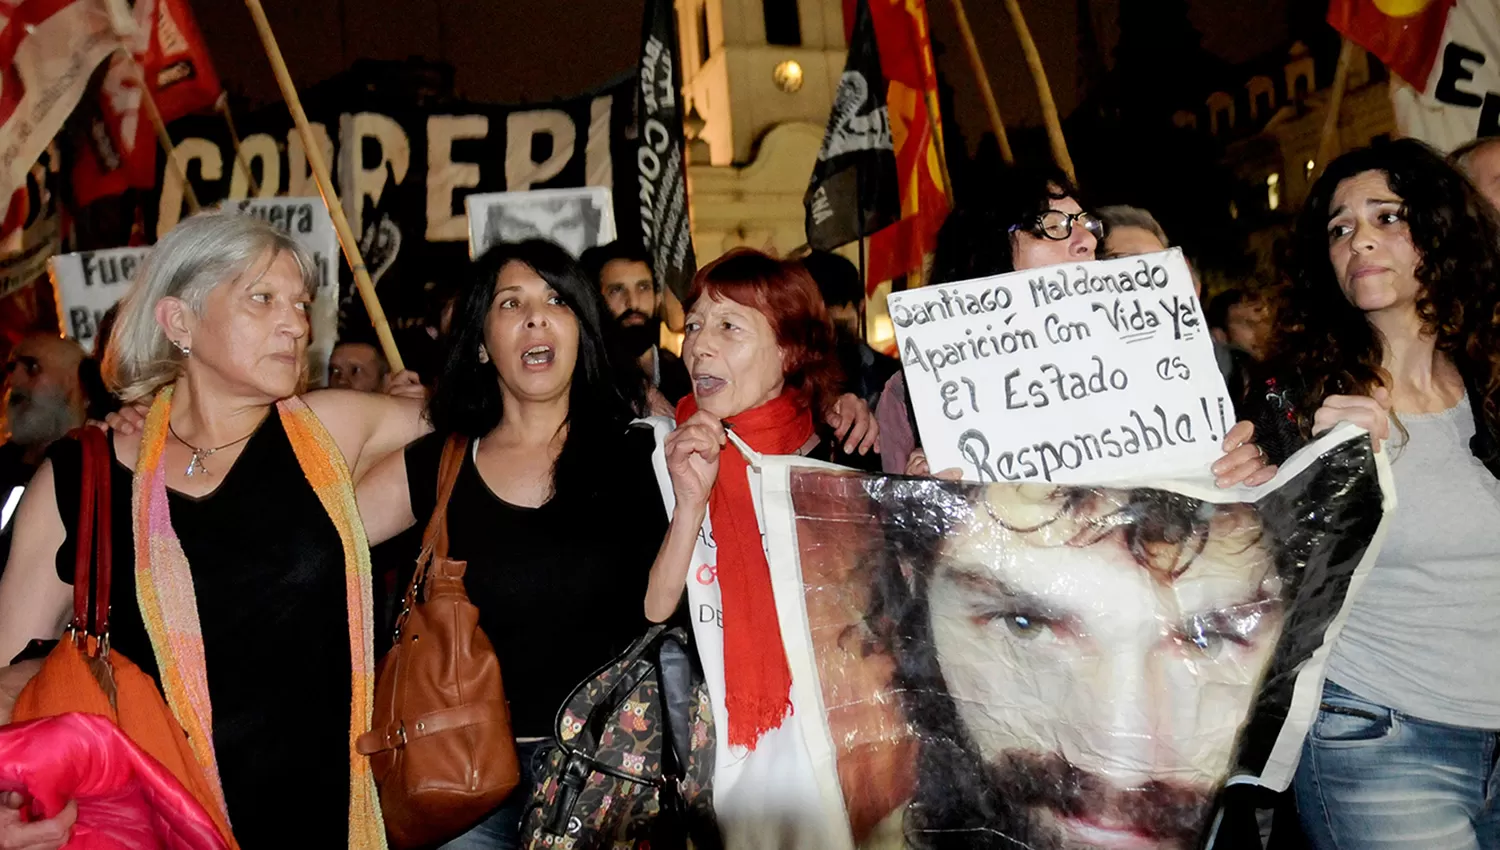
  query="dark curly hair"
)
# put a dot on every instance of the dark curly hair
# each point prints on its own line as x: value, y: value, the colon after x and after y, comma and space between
x: 1329, y: 344
x: 603, y: 395
x: 786, y: 295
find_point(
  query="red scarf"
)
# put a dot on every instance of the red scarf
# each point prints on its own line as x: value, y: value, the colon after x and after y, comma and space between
x: 757, y: 680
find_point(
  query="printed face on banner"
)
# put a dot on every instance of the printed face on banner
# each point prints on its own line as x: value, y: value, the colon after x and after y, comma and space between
x: 1063, y: 667
x: 1076, y: 373
x: 576, y: 219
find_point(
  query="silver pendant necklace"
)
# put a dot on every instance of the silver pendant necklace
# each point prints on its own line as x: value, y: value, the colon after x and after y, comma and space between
x: 195, y: 465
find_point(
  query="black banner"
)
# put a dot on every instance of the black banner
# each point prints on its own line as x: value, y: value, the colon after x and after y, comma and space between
x: 853, y: 190
x: 403, y: 172
x: 660, y: 168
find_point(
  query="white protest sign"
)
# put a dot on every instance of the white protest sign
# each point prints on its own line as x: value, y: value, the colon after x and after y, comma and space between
x: 1074, y: 374
x: 87, y: 284
x: 307, y: 221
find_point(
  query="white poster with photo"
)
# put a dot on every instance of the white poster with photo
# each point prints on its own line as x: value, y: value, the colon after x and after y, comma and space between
x: 88, y: 283
x: 1078, y: 373
x: 576, y: 219
x: 307, y: 221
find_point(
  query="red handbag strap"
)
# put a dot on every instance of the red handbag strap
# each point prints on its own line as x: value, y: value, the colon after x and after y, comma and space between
x: 91, y: 560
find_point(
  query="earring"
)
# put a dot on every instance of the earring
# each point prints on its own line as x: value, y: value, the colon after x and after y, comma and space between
x: 484, y: 356
x: 186, y: 352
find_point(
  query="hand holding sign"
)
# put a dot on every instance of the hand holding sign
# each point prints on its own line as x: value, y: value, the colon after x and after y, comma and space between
x: 1089, y: 372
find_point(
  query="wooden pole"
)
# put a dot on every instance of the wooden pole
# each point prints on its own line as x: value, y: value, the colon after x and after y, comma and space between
x: 234, y: 139
x: 319, y: 168
x: 977, y: 63
x: 1328, y: 142
x: 937, y: 144
x: 1043, y: 90
x: 163, y: 137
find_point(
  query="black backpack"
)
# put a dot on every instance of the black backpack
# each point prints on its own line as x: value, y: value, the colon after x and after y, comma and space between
x: 633, y: 759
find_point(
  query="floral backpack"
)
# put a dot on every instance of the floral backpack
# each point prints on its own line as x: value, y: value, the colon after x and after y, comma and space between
x: 632, y: 764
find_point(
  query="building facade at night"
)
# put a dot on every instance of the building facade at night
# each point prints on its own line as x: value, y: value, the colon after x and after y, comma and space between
x: 1270, y: 127
x: 760, y: 77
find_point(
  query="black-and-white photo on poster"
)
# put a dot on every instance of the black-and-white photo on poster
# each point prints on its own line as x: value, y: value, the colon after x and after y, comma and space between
x: 577, y: 219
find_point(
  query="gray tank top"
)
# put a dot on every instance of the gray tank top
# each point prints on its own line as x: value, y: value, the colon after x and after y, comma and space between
x: 1423, y: 630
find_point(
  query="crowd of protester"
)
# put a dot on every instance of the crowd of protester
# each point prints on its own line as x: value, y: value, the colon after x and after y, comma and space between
x: 557, y: 384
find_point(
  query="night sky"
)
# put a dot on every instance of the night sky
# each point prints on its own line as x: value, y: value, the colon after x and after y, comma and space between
x: 536, y: 50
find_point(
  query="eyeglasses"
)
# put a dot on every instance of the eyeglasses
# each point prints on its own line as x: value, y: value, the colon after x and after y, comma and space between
x: 1058, y: 225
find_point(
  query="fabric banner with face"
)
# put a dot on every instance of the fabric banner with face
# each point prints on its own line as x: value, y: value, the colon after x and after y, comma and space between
x: 1011, y: 665
x: 576, y: 219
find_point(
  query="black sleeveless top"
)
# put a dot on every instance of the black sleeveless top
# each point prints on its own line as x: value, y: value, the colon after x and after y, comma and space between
x: 268, y: 573
x: 560, y: 588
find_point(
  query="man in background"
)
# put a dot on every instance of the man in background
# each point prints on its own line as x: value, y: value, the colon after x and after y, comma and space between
x: 44, y: 400
x: 1129, y: 231
x: 865, y: 369
x: 1479, y: 160
x: 634, y: 297
x: 357, y: 366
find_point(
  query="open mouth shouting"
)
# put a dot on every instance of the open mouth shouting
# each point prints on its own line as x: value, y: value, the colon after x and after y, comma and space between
x: 705, y: 385
x: 538, y: 357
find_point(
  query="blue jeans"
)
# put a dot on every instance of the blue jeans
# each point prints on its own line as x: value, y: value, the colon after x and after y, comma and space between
x: 1372, y: 778
x: 501, y: 830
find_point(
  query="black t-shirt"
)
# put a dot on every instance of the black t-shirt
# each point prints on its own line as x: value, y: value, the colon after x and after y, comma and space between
x: 560, y: 588
x: 268, y: 574
x: 675, y: 381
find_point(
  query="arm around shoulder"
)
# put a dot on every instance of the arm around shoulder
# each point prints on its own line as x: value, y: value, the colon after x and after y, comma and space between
x: 368, y: 427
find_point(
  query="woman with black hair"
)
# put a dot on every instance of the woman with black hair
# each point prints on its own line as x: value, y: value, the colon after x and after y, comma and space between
x: 556, y: 509
x: 1393, y: 317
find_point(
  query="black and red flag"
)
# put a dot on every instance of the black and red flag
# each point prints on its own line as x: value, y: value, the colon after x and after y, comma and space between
x: 853, y: 191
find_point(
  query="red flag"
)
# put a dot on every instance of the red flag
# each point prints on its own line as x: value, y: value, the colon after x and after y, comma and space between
x: 1404, y: 34
x: 169, y: 51
x: 901, y: 31
x: 48, y: 50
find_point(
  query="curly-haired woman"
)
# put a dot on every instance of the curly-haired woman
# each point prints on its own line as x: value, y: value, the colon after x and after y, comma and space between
x: 1391, y: 319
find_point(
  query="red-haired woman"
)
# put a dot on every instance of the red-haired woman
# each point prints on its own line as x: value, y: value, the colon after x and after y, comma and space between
x: 760, y: 350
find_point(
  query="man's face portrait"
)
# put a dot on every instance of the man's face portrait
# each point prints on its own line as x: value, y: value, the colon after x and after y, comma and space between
x: 570, y: 222
x: 1101, y: 657
x: 1054, y: 668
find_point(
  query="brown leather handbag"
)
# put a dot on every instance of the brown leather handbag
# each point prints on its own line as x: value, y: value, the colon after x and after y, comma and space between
x: 441, y: 747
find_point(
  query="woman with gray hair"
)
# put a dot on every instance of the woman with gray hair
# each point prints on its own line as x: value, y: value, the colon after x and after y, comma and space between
x: 248, y: 595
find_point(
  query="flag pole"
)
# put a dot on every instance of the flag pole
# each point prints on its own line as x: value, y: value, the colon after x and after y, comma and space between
x: 325, y: 186
x: 222, y: 105
x: 1043, y: 90
x: 977, y: 63
x: 163, y: 137
x: 864, y: 289
x: 937, y: 143
x: 1328, y: 141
